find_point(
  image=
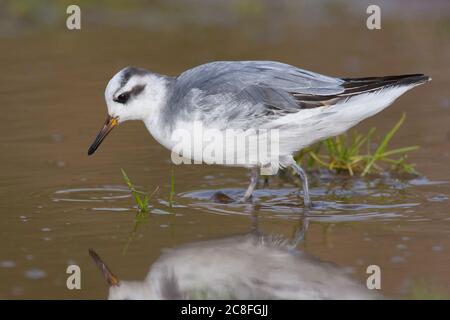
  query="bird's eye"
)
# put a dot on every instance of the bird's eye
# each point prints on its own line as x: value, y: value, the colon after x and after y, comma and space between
x: 123, y: 97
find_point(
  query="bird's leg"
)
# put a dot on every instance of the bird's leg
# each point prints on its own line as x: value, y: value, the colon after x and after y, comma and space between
x: 300, y: 233
x: 255, y: 222
x: 252, y: 186
x: 301, y: 173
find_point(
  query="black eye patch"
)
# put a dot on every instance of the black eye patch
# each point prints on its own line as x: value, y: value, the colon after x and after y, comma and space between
x: 125, y: 96
x: 137, y: 89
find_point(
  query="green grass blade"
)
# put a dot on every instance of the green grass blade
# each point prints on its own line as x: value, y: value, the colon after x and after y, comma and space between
x: 384, y: 143
x: 400, y: 150
x: 389, y: 136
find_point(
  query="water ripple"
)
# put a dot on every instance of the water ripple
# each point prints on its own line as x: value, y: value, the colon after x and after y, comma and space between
x: 98, y: 194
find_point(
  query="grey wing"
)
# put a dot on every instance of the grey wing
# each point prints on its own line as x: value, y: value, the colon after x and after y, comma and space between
x: 248, y: 94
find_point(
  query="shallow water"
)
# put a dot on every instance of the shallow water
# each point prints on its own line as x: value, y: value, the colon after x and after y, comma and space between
x: 56, y: 202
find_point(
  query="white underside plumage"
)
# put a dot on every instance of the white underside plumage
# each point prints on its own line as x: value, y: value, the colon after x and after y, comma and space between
x: 306, y: 127
x: 296, y: 130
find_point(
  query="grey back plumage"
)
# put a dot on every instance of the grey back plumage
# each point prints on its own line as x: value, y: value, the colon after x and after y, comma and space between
x: 228, y: 92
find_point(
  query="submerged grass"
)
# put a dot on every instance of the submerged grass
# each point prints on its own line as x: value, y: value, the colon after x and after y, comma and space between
x: 142, y: 201
x: 358, y: 154
x: 172, y: 189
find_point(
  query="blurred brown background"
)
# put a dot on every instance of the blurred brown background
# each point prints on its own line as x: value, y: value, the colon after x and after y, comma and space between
x: 56, y: 202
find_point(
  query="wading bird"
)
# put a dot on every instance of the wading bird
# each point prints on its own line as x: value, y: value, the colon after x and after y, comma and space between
x: 305, y: 107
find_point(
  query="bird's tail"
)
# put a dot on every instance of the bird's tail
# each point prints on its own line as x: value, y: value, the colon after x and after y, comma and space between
x: 364, y: 97
x: 357, y: 87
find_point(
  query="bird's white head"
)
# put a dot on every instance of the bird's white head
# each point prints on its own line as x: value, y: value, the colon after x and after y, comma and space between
x: 132, y: 94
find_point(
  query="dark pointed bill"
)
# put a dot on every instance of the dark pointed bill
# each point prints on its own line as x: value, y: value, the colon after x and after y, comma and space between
x: 109, y: 276
x: 110, y: 123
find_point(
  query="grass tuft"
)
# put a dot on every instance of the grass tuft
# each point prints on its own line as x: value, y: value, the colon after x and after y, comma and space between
x: 356, y: 154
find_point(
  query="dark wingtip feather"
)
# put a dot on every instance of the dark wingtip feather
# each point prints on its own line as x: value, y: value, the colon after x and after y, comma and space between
x: 356, y: 86
x: 373, y: 82
x: 360, y: 85
x: 413, y: 79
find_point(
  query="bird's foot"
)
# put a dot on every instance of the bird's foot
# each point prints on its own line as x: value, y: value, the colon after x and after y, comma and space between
x: 221, y: 197
x: 245, y: 199
x: 307, y: 203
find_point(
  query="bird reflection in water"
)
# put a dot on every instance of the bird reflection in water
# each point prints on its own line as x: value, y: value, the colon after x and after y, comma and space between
x: 249, y: 266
